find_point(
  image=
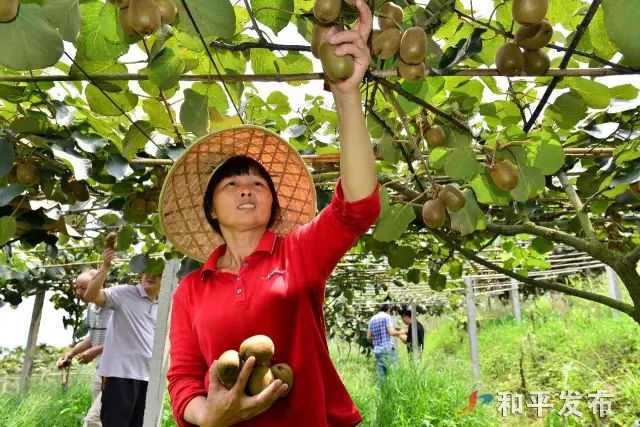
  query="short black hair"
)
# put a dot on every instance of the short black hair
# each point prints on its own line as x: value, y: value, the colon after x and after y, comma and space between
x: 405, y: 313
x: 236, y: 166
x: 384, y: 307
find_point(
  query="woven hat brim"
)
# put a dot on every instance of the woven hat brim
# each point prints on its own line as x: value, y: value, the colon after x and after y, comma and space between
x: 181, y: 200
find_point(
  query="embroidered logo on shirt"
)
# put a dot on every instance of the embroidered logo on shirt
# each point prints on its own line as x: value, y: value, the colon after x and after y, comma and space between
x: 274, y: 272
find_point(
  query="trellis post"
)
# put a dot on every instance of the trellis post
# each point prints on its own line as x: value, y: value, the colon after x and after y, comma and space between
x: 515, y: 300
x: 614, y: 289
x: 160, y: 359
x: 472, y: 329
x: 29, y: 351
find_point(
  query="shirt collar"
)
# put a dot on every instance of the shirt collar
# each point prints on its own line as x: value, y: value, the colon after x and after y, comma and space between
x: 267, y: 244
x: 143, y: 293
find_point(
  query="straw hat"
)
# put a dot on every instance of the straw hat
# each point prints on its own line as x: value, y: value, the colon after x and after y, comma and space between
x: 181, y: 201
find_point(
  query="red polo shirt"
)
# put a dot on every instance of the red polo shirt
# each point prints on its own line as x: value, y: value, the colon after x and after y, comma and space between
x: 278, y: 292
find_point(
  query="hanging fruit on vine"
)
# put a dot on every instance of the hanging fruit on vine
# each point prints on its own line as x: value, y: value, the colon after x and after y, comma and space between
x: 8, y: 10
x: 536, y: 62
x: 27, y: 174
x: 534, y: 36
x: 529, y: 11
x: 509, y: 60
x: 452, y: 197
x: 504, y: 175
x: 390, y: 16
x: 434, y: 213
x: 435, y: 136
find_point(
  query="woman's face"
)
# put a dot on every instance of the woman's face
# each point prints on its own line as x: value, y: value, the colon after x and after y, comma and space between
x: 242, y: 202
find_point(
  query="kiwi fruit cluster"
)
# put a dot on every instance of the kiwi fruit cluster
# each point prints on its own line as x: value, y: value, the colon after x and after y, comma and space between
x: 141, y: 205
x: 263, y: 373
x: 336, y: 68
x: 409, y: 45
x: 504, y: 175
x: 9, y: 10
x: 526, y: 52
x: 434, y: 211
x: 144, y: 17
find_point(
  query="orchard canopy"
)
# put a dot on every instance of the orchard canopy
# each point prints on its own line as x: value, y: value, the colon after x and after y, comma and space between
x: 92, y: 115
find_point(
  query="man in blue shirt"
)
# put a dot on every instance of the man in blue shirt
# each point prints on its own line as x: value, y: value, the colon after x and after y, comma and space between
x: 380, y: 331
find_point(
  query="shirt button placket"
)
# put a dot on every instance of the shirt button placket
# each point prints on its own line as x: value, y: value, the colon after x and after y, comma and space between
x: 240, y: 294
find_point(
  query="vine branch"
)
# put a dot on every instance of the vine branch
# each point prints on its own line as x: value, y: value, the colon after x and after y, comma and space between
x: 543, y: 284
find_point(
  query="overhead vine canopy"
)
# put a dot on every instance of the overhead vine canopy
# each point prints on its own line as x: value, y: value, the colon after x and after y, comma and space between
x: 91, y: 117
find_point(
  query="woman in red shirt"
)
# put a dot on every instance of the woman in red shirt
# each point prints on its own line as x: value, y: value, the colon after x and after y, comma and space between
x: 266, y: 261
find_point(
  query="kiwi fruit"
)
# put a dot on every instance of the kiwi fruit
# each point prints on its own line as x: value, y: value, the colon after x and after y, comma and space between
x: 316, y: 38
x: 534, y: 36
x: 138, y: 205
x: 326, y: 11
x: 144, y: 16
x: 259, y: 346
x: 390, y: 16
x: 284, y: 373
x: 411, y: 72
x: 110, y: 240
x: 509, y: 60
x: 435, y: 136
x: 168, y: 11
x: 8, y: 10
x: 386, y: 43
x: 228, y: 368
x: 536, y: 62
x: 78, y: 189
x: 124, y: 22
x: 151, y: 206
x: 504, y: 175
x: 529, y: 11
x: 434, y: 213
x: 260, y: 378
x: 634, y: 187
x: 12, y: 177
x: 336, y: 68
x: 452, y: 197
x: 27, y: 174
x: 413, y: 46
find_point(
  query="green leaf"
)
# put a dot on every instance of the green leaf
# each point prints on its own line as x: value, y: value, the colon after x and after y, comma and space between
x: 292, y: 63
x: 542, y: 245
x: 216, y: 98
x: 401, y: 257
x: 136, y: 138
x: 125, y: 238
x: 214, y: 18
x: 165, y: 69
x: 457, y: 138
x: 598, y: 33
x: 627, y: 92
x: 138, y: 263
x: 461, y: 163
x: 621, y: 21
x: 10, y: 192
x: 387, y: 149
x: 487, y: 192
x: 530, y: 183
x: 437, y: 281
x: 100, y: 66
x: 470, y: 218
x: 65, y: 16
x: 194, y: 114
x: 437, y: 157
x: 394, y: 223
x: 594, y: 94
x: 89, y: 142
x: 567, y: 110
x: 106, y: 104
x: 279, y: 102
x: 263, y: 61
x: 548, y: 156
x: 98, y: 35
x: 8, y: 228
x: 79, y: 165
x: 29, y: 42
x: 265, y: 12
x: 6, y: 157
x: 158, y: 115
